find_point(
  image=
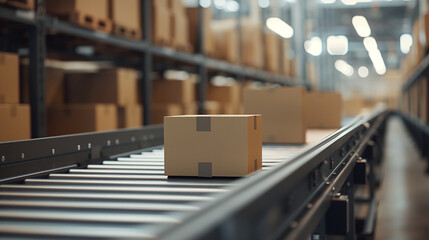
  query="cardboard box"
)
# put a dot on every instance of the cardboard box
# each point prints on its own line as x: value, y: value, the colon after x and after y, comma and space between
x: 9, y: 83
x: 78, y: 118
x: 252, y: 45
x: 54, y: 86
x: 130, y: 116
x: 23, y: 4
x: 212, y: 145
x: 95, y: 8
x: 212, y: 107
x: 283, y: 113
x: 272, y: 52
x: 15, y: 122
x: 323, y: 110
x: 193, y: 21
x: 180, y: 32
x: 174, y: 91
x: 159, y: 111
x: 161, y: 23
x: 352, y: 106
x: 224, y: 94
x: 176, y: 7
x: 118, y: 86
x: 126, y: 17
x: 226, y: 40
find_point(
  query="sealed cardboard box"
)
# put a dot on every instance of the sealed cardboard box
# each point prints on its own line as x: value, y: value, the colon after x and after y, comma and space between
x: 54, y: 78
x: 212, y: 145
x: 125, y: 16
x: 282, y: 109
x: 118, y: 86
x: 9, y: 83
x: 159, y: 111
x: 130, y: 116
x: 173, y: 91
x: 78, y: 118
x: 15, y: 122
x: 323, y: 109
x: 224, y: 94
x: 180, y: 32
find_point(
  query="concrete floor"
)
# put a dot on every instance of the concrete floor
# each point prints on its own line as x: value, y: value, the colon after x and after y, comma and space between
x: 403, y: 210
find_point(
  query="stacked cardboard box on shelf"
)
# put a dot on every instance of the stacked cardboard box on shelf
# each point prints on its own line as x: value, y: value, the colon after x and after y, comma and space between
x: 353, y: 106
x: 179, y: 26
x: 15, y: 117
x: 226, y: 40
x: 272, y: 52
x: 288, y: 60
x: 209, y: 42
x: 251, y: 43
x: 161, y: 25
x: 92, y: 14
x: 100, y: 101
x: 126, y: 18
x: 173, y: 97
x: 283, y: 113
x: 228, y: 99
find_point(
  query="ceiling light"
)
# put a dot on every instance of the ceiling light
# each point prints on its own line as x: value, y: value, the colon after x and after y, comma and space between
x: 405, y: 43
x: 337, y: 45
x: 280, y: 27
x: 264, y: 3
x: 313, y: 46
x: 363, y: 72
x: 361, y: 26
x: 378, y: 62
x: 327, y: 1
x: 370, y: 44
x: 205, y: 3
x: 232, y: 6
x: 343, y: 67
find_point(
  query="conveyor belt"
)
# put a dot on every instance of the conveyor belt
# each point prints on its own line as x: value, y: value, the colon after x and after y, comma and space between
x: 126, y: 197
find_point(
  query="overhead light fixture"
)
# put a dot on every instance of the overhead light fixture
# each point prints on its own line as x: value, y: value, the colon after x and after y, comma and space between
x: 313, y: 46
x: 363, y: 72
x: 343, y: 67
x: 278, y: 26
x: 405, y: 43
x: 327, y: 1
x: 232, y: 6
x: 370, y: 44
x: 205, y: 3
x: 349, y: 2
x: 361, y: 26
x: 378, y: 62
x: 337, y: 45
x: 264, y: 3
x: 219, y: 4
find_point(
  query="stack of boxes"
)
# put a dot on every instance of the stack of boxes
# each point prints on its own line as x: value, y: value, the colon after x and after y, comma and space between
x: 179, y: 26
x: 100, y: 101
x: 15, y: 117
x: 193, y: 20
x: 125, y: 16
x: 252, y: 45
x: 272, y: 52
x: 173, y: 97
x: 226, y: 40
x: 224, y: 99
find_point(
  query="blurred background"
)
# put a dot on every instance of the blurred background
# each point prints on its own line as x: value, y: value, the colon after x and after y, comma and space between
x: 73, y: 62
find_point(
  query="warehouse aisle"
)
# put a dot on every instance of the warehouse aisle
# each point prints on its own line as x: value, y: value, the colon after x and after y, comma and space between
x: 404, y: 194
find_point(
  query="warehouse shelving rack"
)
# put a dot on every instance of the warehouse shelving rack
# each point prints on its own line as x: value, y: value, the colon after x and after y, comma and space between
x: 38, y: 23
x: 418, y: 129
